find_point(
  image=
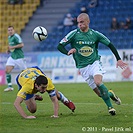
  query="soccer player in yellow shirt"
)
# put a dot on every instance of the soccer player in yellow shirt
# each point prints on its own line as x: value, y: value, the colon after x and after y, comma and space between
x: 31, y: 81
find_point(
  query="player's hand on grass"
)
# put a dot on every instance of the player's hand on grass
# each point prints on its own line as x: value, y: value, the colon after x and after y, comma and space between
x: 121, y: 64
x: 73, y: 50
x: 30, y: 117
x: 54, y: 116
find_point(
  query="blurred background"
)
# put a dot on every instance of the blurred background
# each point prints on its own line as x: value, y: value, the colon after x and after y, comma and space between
x: 113, y: 18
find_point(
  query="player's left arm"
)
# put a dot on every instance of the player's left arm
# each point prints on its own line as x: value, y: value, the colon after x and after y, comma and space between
x: 52, y: 94
x: 55, y: 106
x: 120, y: 63
x: 53, y: 97
x: 103, y: 39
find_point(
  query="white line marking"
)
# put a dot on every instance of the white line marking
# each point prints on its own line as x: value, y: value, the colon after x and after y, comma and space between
x: 125, y: 104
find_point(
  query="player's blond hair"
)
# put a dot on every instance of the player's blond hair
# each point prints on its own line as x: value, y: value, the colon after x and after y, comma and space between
x: 84, y: 15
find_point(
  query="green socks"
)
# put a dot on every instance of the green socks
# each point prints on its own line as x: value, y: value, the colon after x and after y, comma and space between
x: 111, y: 95
x: 8, y: 79
x: 105, y: 95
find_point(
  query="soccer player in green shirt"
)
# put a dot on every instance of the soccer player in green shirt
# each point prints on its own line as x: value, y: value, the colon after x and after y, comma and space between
x: 84, y: 48
x: 17, y: 55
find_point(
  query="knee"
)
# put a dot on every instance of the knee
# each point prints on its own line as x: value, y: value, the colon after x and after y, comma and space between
x: 98, y: 82
x: 7, y: 71
x: 33, y: 110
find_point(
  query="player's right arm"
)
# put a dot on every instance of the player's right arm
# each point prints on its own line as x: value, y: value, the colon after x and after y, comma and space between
x: 20, y: 110
x: 62, y: 49
x: 66, y: 40
x: 15, y: 46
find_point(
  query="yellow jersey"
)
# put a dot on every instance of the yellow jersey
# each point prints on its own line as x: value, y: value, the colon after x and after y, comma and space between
x: 26, y: 80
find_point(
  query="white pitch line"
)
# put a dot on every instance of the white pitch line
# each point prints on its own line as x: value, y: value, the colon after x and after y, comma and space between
x: 5, y: 103
x: 125, y: 104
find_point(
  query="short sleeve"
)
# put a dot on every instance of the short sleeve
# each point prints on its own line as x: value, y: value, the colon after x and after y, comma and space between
x: 102, y: 38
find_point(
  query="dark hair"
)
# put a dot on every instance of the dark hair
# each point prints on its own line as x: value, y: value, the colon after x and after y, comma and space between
x: 41, y: 80
x: 10, y: 26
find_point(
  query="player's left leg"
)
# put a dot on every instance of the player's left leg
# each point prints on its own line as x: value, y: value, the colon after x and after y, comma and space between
x: 97, y: 73
x: 93, y: 76
x: 21, y: 63
x: 115, y: 98
x: 111, y: 94
x: 104, y: 93
x: 65, y: 100
x: 105, y: 96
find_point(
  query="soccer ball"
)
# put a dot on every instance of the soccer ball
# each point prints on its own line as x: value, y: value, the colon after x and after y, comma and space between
x: 40, y: 33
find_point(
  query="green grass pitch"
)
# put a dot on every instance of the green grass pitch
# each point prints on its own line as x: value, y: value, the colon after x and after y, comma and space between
x: 91, y: 114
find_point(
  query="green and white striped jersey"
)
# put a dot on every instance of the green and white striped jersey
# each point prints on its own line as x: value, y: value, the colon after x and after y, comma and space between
x: 15, y: 40
x: 86, y: 45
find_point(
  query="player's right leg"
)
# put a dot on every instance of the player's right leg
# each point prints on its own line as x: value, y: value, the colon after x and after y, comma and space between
x: 31, y: 103
x: 8, y: 78
x: 9, y: 67
x: 65, y: 101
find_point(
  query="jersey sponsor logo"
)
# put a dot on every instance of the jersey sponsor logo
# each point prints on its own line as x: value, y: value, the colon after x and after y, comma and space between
x: 64, y: 40
x: 85, y: 42
x: 86, y: 51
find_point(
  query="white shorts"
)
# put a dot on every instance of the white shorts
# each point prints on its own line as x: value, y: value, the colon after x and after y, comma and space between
x: 90, y: 71
x: 21, y: 63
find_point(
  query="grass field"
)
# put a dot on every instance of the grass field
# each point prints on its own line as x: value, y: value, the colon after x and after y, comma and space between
x: 91, y: 114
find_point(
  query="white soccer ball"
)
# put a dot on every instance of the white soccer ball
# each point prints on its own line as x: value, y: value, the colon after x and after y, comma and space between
x: 40, y: 33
